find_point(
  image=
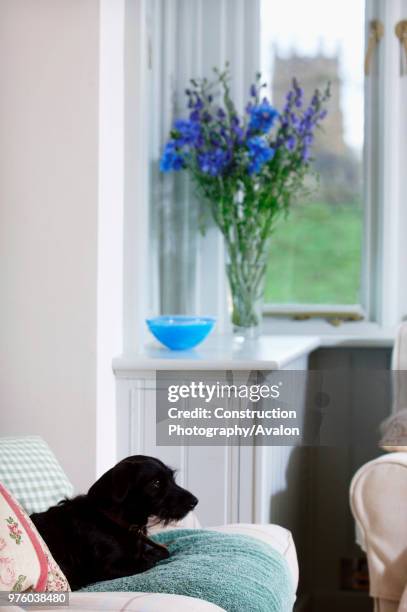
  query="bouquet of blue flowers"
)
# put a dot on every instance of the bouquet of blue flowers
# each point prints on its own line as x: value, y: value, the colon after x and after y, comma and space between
x: 248, y: 169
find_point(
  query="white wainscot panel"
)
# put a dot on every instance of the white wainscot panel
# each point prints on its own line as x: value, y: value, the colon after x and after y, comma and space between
x: 233, y: 483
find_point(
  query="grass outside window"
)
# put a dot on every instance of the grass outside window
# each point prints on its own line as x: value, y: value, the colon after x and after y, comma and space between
x: 316, y: 256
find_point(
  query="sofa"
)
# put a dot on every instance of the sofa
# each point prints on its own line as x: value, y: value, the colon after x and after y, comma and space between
x: 31, y: 455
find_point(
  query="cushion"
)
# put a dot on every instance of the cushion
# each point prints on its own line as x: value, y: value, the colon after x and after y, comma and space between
x: 275, y: 536
x: 25, y: 561
x: 31, y: 472
x: 233, y: 571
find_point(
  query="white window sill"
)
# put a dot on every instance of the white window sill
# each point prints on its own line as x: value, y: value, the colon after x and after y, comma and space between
x: 220, y: 352
x: 281, y: 345
x: 348, y: 333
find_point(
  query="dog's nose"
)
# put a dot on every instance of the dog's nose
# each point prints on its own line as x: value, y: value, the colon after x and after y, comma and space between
x: 194, y: 502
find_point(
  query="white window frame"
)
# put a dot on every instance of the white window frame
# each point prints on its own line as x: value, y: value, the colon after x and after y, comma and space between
x: 382, y: 252
x: 385, y: 248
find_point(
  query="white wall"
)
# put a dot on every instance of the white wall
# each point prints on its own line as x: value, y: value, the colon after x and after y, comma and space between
x: 48, y: 226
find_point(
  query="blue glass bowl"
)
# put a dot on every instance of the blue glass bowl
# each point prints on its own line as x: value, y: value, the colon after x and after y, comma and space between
x: 179, y: 332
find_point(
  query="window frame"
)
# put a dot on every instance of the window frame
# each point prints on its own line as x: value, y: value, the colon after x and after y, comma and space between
x: 384, y: 298
x: 382, y: 163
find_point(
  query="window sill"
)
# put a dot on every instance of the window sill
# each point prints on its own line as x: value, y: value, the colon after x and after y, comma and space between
x: 347, y: 334
x: 334, y: 313
x: 282, y: 343
x: 219, y: 352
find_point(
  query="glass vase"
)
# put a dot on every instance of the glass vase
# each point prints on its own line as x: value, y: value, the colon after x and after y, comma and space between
x: 246, y: 272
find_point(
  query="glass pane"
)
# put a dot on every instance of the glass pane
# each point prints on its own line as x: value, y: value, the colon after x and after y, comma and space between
x: 316, y: 252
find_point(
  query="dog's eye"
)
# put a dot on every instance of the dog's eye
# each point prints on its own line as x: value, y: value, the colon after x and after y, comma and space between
x: 156, y: 484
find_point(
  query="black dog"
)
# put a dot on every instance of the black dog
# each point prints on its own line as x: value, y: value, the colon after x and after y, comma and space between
x: 102, y: 535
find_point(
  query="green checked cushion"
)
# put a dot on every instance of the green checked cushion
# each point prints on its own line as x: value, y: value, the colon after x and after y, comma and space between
x: 30, y: 470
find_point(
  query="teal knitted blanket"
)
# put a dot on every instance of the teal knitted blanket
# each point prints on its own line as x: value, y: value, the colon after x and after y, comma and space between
x: 238, y: 573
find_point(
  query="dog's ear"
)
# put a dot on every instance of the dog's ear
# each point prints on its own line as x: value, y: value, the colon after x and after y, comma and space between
x: 112, y: 487
x: 121, y: 480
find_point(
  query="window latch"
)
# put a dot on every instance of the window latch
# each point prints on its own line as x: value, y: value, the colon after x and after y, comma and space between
x: 401, y: 33
x: 376, y: 32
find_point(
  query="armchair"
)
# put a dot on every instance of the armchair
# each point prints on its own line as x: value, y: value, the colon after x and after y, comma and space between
x: 378, y: 498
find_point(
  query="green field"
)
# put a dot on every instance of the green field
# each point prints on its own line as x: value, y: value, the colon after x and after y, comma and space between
x: 315, y: 256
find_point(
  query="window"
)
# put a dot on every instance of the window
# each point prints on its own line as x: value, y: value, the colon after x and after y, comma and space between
x: 343, y: 246
x: 316, y: 252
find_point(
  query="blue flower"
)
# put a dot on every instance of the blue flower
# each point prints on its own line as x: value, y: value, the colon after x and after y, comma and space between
x: 198, y: 103
x: 262, y: 117
x: 171, y: 158
x: 306, y: 154
x: 308, y: 139
x: 259, y: 153
x: 238, y: 132
x: 188, y: 132
x: 195, y: 116
x: 214, y: 162
x: 299, y: 93
x: 291, y: 142
x: 294, y: 119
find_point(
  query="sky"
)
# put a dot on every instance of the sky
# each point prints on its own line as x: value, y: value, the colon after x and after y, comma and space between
x: 307, y: 26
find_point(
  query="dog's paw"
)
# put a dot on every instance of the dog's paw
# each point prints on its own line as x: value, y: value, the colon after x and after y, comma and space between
x: 158, y: 554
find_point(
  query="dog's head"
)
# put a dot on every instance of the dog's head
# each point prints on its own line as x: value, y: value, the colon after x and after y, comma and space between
x: 139, y: 487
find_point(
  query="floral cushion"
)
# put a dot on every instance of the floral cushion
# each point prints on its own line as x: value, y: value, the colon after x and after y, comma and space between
x: 25, y: 561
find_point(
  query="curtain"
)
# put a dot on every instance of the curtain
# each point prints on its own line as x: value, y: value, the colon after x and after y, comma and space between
x: 187, y: 39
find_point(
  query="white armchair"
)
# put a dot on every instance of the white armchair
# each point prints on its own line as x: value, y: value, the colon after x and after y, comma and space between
x: 378, y: 498
x: 379, y: 504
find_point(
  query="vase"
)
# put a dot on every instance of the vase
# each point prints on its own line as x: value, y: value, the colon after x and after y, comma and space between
x: 246, y: 273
